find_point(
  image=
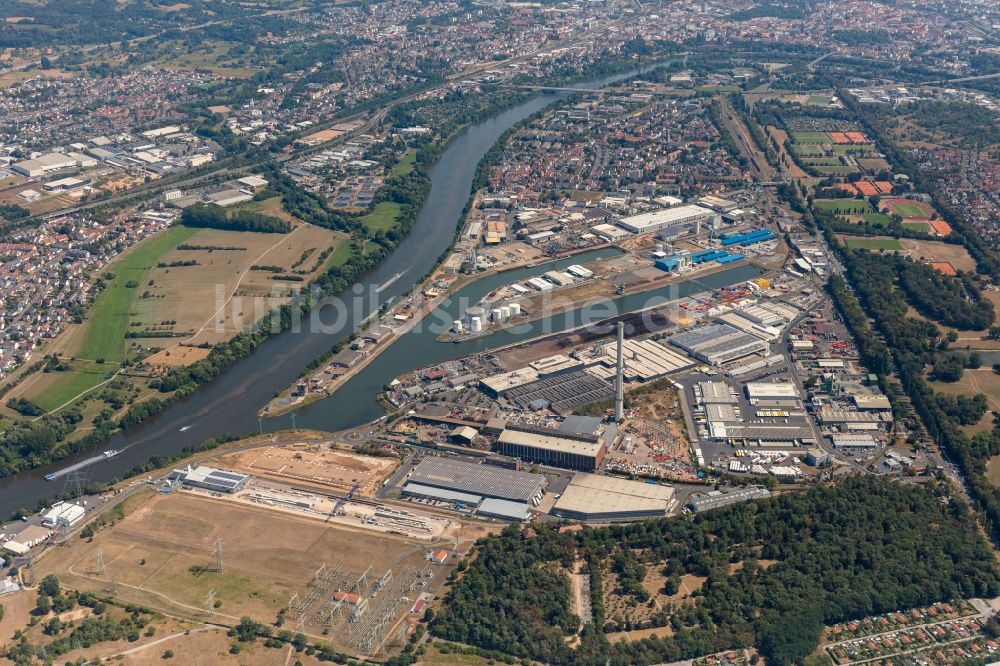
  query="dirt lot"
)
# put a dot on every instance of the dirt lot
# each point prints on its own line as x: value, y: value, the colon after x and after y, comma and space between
x: 213, y: 300
x: 993, y: 471
x: 162, y: 555
x: 956, y: 255
x: 16, y: 613
x: 314, y: 464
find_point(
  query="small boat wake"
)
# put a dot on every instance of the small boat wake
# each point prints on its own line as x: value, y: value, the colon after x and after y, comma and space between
x: 388, y: 283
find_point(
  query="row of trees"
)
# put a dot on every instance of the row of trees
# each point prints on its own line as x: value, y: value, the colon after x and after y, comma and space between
x: 211, y: 216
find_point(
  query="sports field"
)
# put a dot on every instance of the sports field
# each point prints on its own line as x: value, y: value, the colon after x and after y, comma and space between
x: 880, y: 219
x: 844, y: 206
x: 837, y: 170
x: 810, y: 137
x: 907, y: 209
x: 922, y: 227
x: 854, y: 148
x: 888, y: 244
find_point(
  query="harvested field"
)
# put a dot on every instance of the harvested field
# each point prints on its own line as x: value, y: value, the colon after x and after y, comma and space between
x: 181, y: 355
x: 162, y: 555
x: 212, y: 300
x: 316, y: 464
x: 321, y: 136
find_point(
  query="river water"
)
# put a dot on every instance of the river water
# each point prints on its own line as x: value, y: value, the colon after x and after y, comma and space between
x: 229, y: 404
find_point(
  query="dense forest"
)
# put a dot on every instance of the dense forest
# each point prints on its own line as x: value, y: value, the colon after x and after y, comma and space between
x: 834, y: 553
x: 914, y: 345
x: 952, y: 301
x: 99, y: 21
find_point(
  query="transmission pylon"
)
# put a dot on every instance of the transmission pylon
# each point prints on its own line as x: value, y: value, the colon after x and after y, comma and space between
x: 210, y: 601
x: 102, y: 566
x: 219, y: 565
x: 75, y: 482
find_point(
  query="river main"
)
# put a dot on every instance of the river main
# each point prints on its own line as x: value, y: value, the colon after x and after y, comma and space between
x: 229, y: 404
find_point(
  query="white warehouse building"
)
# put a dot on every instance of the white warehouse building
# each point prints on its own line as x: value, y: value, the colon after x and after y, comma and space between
x: 63, y: 513
x: 656, y: 220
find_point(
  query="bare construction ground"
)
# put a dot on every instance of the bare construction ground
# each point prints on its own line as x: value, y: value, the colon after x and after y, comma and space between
x: 313, y: 464
x: 216, y: 297
x: 162, y: 555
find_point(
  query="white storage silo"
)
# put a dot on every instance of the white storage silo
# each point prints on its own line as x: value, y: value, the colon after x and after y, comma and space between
x: 515, y: 309
x: 474, y: 312
x: 476, y: 325
x: 496, y: 314
x: 457, y: 326
x: 505, y: 312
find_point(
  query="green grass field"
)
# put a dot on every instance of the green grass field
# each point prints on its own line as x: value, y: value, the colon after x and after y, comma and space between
x: 844, y: 149
x: 821, y: 161
x: 808, y: 150
x: 889, y: 244
x: 69, y: 385
x: 922, y: 227
x: 339, y: 256
x: 819, y: 100
x: 908, y: 209
x: 108, y: 318
x: 875, y: 164
x: 837, y: 170
x: 844, y: 206
x: 404, y: 165
x: 810, y: 137
x: 880, y: 219
x: 383, y: 217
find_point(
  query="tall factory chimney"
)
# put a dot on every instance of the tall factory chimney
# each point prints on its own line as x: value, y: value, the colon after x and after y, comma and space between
x: 620, y: 377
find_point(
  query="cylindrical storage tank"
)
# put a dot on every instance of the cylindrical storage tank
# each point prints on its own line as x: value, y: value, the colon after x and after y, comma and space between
x: 505, y: 312
x: 496, y: 315
x: 476, y: 325
x: 515, y: 309
x: 457, y: 327
x: 474, y: 312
